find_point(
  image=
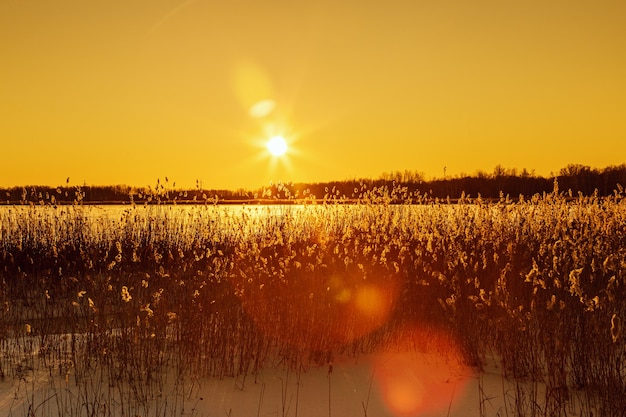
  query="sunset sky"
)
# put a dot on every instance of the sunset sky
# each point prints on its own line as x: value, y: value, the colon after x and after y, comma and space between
x: 128, y: 91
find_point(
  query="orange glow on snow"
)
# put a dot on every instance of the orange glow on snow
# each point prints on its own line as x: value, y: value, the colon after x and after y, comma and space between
x: 404, y: 394
x: 414, y: 380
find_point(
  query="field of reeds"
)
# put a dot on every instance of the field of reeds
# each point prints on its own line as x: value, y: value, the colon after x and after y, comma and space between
x: 131, y: 309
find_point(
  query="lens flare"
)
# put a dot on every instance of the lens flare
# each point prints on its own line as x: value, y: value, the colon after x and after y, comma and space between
x: 253, y: 87
x: 262, y: 108
x: 420, y: 372
x: 319, y: 311
x: 404, y: 392
x: 370, y: 301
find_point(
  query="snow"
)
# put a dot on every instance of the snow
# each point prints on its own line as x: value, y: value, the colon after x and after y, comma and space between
x: 428, y: 382
x: 399, y: 384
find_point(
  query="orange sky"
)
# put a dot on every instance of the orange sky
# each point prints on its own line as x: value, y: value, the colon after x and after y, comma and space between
x: 128, y: 91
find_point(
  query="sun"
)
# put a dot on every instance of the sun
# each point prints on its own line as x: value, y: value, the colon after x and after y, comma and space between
x: 277, y: 145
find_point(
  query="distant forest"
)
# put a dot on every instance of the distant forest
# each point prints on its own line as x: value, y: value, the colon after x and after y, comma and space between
x: 395, y: 186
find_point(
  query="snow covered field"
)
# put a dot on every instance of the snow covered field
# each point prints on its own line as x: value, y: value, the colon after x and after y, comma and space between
x: 364, y: 310
x: 391, y: 384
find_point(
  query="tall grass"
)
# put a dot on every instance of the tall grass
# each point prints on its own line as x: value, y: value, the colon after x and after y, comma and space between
x: 112, y: 304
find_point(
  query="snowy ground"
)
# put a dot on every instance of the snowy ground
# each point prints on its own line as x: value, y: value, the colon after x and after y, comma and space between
x: 426, y: 381
x: 393, y: 385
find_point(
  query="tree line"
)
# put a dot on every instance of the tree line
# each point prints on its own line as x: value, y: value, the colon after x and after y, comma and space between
x: 575, y: 179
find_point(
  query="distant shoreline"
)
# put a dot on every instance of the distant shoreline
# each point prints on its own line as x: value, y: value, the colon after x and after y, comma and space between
x: 277, y: 202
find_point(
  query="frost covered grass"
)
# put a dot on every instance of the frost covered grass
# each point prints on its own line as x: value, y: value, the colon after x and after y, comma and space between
x: 114, y: 304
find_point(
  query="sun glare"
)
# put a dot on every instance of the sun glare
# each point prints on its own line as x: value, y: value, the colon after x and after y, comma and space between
x: 277, y: 146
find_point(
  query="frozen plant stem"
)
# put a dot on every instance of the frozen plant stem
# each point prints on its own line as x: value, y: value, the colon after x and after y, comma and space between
x: 330, y: 372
